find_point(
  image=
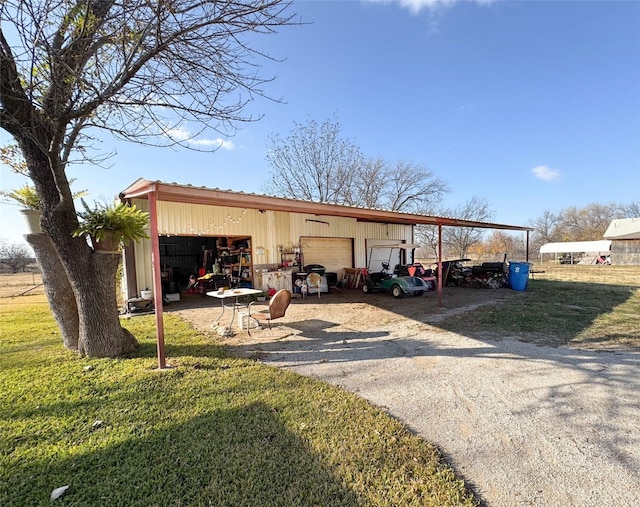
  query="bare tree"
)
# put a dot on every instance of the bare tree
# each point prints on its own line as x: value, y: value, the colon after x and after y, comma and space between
x: 139, y: 69
x: 313, y: 162
x: 427, y: 237
x: 458, y: 240
x: 632, y: 210
x: 367, y: 186
x: 577, y: 224
x: 401, y: 186
x: 15, y: 256
x: 544, y: 230
x: 588, y: 223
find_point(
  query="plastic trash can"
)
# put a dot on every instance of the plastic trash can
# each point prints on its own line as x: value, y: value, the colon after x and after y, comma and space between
x: 518, y: 275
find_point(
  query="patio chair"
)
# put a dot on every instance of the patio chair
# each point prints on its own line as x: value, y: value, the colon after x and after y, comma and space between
x: 278, y: 305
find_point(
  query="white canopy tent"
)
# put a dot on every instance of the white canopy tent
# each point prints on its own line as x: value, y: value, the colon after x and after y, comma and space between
x: 602, y: 247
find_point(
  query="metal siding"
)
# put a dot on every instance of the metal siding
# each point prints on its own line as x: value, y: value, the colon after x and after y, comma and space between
x: 370, y: 230
x: 142, y: 255
x: 315, y: 226
x: 267, y: 229
x: 144, y: 274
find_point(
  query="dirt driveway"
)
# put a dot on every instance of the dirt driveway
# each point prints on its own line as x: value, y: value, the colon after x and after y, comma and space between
x: 523, y: 424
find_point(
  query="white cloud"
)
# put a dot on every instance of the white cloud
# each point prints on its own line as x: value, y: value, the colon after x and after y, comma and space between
x: 542, y: 172
x: 179, y: 133
x: 415, y: 6
x: 182, y: 134
x: 220, y: 143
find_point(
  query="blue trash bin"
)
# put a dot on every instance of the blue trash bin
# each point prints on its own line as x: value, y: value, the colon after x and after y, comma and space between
x: 518, y: 275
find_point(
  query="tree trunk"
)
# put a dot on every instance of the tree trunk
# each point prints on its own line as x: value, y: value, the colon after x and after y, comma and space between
x: 101, y: 334
x: 92, y: 276
x: 57, y: 289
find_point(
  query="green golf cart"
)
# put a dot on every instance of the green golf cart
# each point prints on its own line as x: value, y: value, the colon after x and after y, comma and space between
x: 397, y: 285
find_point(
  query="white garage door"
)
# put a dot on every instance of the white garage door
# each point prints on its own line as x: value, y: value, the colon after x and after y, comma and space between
x: 332, y: 253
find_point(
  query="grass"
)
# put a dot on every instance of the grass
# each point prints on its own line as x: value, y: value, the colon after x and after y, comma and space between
x: 595, y: 306
x: 213, y: 430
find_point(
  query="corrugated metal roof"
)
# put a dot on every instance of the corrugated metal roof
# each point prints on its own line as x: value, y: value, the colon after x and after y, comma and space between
x: 623, y: 228
x: 576, y: 246
x: 213, y: 196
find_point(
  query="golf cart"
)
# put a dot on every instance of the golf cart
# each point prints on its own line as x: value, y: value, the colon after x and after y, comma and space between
x: 397, y: 284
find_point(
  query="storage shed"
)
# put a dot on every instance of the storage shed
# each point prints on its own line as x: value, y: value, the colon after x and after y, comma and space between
x: 248, y: 236
x: 624, y: 234
x: 254, y: 238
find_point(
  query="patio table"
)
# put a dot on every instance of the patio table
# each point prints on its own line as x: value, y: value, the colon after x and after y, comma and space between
x: 228, y: 294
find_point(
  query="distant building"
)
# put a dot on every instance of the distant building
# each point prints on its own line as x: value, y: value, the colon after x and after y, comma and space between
x: 624, y: 234
x: 578, y: 252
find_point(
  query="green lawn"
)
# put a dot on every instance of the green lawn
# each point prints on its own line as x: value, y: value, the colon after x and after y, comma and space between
x: 213, y: 430
x: 591, y: 306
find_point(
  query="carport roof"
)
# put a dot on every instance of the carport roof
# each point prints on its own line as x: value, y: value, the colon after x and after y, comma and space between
x: 576, y: 246
x: 174, y: 192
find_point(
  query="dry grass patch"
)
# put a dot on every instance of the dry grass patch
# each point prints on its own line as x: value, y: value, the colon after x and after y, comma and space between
x: 593, y: 306
x: 15, y: 284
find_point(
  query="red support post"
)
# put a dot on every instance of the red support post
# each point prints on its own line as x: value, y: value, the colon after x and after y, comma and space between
x: 157, y: 277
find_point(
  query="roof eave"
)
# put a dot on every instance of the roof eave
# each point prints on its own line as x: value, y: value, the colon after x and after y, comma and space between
x: 174, y: 192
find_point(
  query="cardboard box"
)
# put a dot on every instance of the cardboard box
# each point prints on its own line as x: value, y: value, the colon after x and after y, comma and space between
x: 173, y: 297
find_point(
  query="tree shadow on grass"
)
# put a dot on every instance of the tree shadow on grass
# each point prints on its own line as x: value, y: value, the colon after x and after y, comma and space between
x: 224, y: 457
x: 556, y: 313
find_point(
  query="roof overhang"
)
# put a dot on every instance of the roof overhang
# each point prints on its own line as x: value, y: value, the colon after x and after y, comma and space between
x: 174, y: 192
x: 623, y: 228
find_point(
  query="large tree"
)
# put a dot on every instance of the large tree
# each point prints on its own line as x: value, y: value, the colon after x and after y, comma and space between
x: 579, y: 224
x: 316, y: 163
x: 456, y: 241
x: 70, y: 69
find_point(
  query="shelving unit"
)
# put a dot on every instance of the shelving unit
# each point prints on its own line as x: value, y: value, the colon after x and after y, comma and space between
x: 288, y: 257
x: 239, y: 264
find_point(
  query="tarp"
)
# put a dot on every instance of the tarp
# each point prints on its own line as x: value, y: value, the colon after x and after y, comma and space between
x: 577, y: 247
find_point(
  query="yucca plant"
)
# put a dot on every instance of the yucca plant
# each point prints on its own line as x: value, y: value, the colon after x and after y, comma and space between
x: 121, y: 222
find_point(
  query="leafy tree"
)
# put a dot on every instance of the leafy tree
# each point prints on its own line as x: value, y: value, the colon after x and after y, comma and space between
x: 314, y: 162
x: 498, y: 244
x: 15, y: 256
x: 71, y: 69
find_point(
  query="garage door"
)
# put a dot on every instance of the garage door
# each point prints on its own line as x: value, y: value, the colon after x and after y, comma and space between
x: 332, y: 253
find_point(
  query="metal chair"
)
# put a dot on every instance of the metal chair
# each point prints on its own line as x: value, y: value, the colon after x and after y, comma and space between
x: 278, y: 305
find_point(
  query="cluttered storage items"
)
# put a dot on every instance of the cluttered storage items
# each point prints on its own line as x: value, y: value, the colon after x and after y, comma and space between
x: 200, y: 264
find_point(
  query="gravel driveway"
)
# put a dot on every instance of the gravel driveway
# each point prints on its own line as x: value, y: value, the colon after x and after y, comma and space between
x: 523, y: 424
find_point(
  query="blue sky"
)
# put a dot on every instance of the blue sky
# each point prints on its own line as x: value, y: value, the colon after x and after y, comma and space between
x: 533, y: 105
